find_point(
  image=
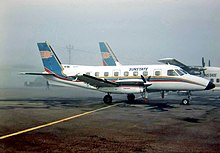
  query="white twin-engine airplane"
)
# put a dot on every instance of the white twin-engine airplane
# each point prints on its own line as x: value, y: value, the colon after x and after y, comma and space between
x: 126, y: 79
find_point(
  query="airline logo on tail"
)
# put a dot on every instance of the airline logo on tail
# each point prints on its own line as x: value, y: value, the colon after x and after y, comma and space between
x: 105, y: 55
x: 45, y: 54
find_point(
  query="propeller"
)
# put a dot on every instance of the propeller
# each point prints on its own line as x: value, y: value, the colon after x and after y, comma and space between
x: 148, y: 79
x: 209, y: 63
x: 142, y: 77
x: 146, y: 82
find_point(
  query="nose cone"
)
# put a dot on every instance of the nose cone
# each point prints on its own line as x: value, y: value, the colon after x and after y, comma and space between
x: 210, y: 86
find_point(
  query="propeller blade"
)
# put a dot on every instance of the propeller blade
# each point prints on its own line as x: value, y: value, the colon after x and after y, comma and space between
x: 142, y: 77
x: 146, y: 82
x: 148, y: 79
x: 209, y: 63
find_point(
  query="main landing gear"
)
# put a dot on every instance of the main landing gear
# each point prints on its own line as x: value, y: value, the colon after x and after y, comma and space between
x: 131, y: 97
x: 107, y: 99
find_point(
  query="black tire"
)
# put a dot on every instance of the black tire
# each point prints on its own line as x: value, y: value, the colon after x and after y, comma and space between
x: 107, y: 99
x: 185, y: 102
x: 131, y: 97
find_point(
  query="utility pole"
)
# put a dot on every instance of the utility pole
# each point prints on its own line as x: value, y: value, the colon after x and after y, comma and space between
x: 69, y: 49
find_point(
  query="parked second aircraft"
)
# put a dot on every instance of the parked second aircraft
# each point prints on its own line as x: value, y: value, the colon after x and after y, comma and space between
x: 207, y: 72
x: 126, y: 79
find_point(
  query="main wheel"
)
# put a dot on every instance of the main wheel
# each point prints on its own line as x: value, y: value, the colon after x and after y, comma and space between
x: 107, y: 99
x: 185, y: 101
x: 131, y: 97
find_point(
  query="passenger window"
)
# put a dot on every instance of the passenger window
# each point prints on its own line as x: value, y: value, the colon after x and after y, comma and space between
x: 96, y: 73
x: 106, y: 73
x: 212, y: 80
x: 116, y: 73
x: 157, y: 73
x: 126, y: 73
x: 217, y: 80
x: 171, y: 73
x: 145, y: 73
x: 135, y: 73
x: 87, y: 73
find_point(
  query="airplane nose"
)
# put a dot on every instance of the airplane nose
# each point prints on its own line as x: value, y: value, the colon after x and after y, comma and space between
x: 210, y: 86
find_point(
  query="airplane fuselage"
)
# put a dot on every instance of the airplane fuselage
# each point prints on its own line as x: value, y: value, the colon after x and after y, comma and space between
x: 161, y: 78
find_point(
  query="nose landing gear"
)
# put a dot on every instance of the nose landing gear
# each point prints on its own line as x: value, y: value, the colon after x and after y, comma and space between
x: 186, y: 101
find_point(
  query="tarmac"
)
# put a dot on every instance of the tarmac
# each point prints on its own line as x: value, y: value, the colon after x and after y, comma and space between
x: 34, y: 120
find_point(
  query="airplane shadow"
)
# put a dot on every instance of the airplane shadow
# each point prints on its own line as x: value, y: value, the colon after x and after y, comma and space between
x: 152, y: 105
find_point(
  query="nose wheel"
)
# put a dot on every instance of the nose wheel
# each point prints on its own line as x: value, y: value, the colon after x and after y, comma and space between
x: 107, y: 99
x: 186, y: 101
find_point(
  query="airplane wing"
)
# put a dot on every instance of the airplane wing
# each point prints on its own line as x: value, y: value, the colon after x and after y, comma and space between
x: 173, y: 61
x: 96, y: 82
x: 195, y: 70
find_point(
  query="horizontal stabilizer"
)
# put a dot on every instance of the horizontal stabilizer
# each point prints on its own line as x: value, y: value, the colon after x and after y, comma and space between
x: 35, y: 73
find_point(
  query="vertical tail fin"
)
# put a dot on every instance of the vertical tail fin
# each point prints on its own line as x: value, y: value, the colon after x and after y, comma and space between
x: 51, y: 62
x: 108, y: 57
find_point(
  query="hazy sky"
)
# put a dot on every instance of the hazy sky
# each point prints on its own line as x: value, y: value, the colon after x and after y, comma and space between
x: 139, y: 31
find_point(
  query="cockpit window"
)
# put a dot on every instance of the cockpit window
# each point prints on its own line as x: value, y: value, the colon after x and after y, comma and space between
x: 180, y: 72
x: 183, y: 71
x: 176, y: 72
x: 171, y: 73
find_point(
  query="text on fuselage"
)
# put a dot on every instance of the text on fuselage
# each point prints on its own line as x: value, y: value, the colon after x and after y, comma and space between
x: 138, y: 69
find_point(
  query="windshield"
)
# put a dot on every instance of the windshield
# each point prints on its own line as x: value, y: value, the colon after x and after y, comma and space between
x: 171, y: 73
x: 176, y: 72
x: 180, y: 72
x: 183, y: 71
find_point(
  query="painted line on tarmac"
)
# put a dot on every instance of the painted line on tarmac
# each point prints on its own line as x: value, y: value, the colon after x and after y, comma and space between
x: 56, y: 122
